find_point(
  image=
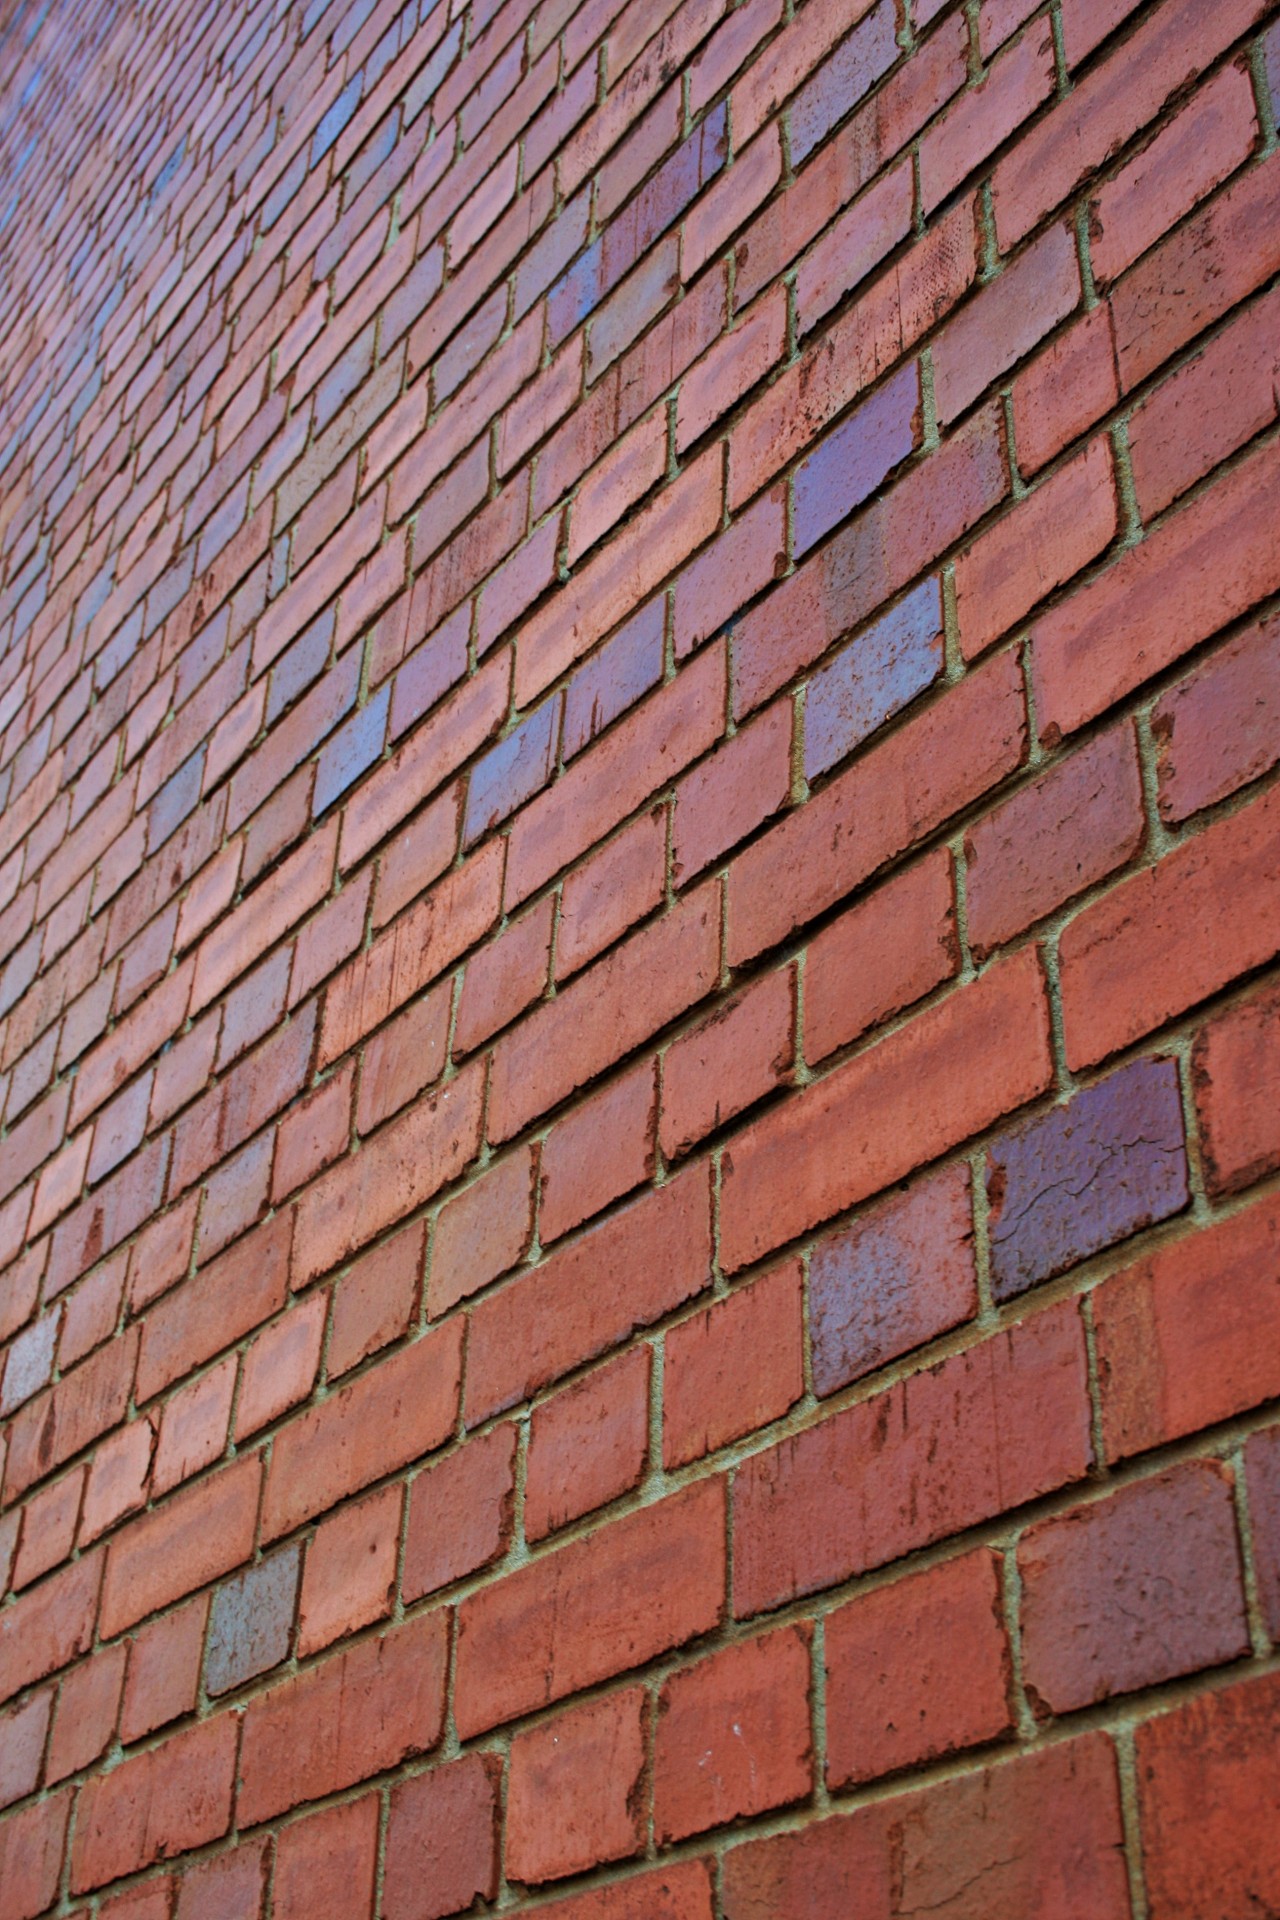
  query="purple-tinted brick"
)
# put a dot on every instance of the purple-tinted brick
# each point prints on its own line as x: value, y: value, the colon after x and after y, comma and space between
x: 841, y: 81
x: 30, y: 1363
x: 335, y: 120
x: 352, y: 751
x: 427, y: 675
x: 615, y: 679
x: 175, y: 800
x: 1089, y: 1173
x: 629, y: 234
x: 850, y: 463
x: 251, y: 1622
x: 899, y: 1276
x: 304, y: 662
x: 576, y: 293
x: 877, y: 675
x: 513, y: 771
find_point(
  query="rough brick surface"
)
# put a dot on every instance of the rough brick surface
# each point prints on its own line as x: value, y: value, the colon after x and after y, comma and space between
x: 639, y: 959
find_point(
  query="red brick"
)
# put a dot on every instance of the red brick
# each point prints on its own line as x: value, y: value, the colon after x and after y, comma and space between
x: 1212, y: 560
x: 681, y: 1892
x: 419, y: 854
x: 1192, y: 154
x: 1041, y: 544
x: 312, y: 1135
x: 232, y: 1883
x: 1141, y: 1588
x: 164, y: 1670
x: 733, y: 1735
x: 601, y: 788
x: 588, y: 1445
x: 343, y: 1444
x: 194, y: 1427
x: 880, y: 956
x: 49, y: 1626
x: 1108, y: 106
x: 442, y: 1841
x: 629, y: 1271
x: 31, y: 1844
x: 746, y: 780
x: 460, y: 1513
x: 727, y: 1063
x: 482, y: 1232
x: 1215, y: 731
x: 1054, y: 838
x: 118, y: 1478
x: 159, y: 1803
x: 23, y: 1731
x: 1172, y: 934
x: 1200, y: 272
x: 1065, y: 390
x: 1184, y: 1335
x: 1203, y: 1770
x: 613, y: 1600
x: 921, y: 1461
x: 983, y: 118
x: 189, y: 1540
x: 890, y: 1110
x: 896, y: 1695
x: 226, y: 1299
x: 281, y: 1365
x: 998, y: 1843
x: 350, y: 1576
x: 58, y: 1423
x: 328, y: 1860
x: 358, y: 1713
x: 504, y: 978
x: 619, y: 1003
x: 650, y: 547
x: 404, y: 1164
x: 747, y: 557
x: 621, y: 883
x: 575, y: 1789
x: 788, y: 60
x: 374, y: 1302
x: 1262, y: 1478
x: 406, y: 1056
x: 92, y: 1312
x: 1011, y: 315
x: 891, y: 797
x: 278, y: 904
x: 48, y: 1529
x: 413, y: 951
x: 733, y: 1368
x: 600, y: 1151
x: 1235, y: 1069
x: 84, y: 1724
x: 716, y: 382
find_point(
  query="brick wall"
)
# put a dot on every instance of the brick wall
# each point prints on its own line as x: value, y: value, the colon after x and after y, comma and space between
x: 639, y: 903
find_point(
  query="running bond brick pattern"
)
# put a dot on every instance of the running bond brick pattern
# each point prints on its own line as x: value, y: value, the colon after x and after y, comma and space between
x: 640, y: 959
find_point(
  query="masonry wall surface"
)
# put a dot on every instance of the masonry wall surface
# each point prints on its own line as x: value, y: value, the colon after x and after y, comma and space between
x: 639, y: 903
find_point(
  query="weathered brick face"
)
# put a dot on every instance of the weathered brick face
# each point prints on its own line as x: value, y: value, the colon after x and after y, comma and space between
x: 640, y: 959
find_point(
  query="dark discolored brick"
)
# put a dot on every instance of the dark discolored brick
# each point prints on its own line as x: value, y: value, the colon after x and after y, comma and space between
x: 251, y: 1622
x: 900, y: 1275
x: 875, y: 676
x: 1086, y: 1175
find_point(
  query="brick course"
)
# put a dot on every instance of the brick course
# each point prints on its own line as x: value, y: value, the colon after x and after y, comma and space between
x: 639, y: 936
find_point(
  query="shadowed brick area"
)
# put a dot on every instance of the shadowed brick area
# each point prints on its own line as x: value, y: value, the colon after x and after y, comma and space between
x: 639, y: 959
